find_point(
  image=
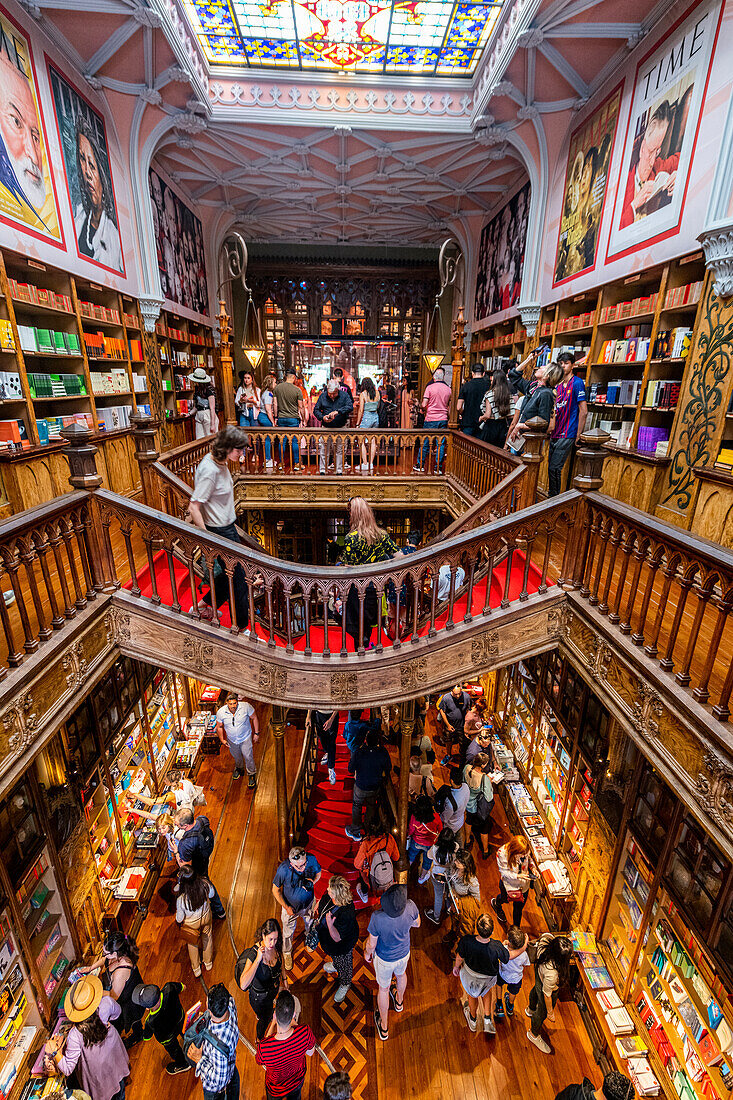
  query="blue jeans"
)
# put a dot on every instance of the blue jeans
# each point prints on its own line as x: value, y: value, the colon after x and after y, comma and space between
x: 291, y: 422
x: 426, y: 444
x: 559, y: 452
x: 247, y: 419
x: 264, y: 421
x: 231, y: 1092
x: 413, y: 851
x: 438, y: 895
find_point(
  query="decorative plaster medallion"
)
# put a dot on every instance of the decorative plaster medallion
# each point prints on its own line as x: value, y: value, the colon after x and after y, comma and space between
x: 198, y: 653
x: 647, y: 708
x: 412, y: 673
x: 715, y: 790
x: 273, y: 680
x: 343, y: 686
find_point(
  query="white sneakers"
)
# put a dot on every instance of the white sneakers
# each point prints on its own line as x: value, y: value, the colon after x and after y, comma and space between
x: 539, y: 1042
x: 332, y: 776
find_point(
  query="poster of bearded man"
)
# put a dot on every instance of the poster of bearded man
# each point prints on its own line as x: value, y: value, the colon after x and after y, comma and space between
x: 27, y: 191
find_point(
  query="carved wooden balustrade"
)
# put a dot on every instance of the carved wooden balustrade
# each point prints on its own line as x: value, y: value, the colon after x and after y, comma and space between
x: 670, y: 592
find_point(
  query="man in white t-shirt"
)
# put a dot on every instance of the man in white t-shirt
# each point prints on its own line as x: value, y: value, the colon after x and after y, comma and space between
x: 237, y: 727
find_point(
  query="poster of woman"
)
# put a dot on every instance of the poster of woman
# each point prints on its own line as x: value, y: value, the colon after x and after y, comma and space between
x: 667, y: 102
x: 501, y: 257
x: 180, y: 248
x: 27, y: 191
x: 88, y: 175
x: 589, y: 156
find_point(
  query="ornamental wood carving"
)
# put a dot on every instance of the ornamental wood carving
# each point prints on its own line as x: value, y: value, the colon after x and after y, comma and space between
x: 715, y: 789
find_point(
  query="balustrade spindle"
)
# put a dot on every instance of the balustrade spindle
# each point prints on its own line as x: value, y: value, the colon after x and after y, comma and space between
x: 289, y: 647
x: 67, y: 536
x: 15, y: 657
x: 343, y: 622
x: 270, y: 616
x: 549, y: 535
x: 633, y: 587
x: 193, y: 587
x: 56, y: 544
x: 489, y: 579
x: 175, y: 604
x: 653, y: 567
x: 469, y: 596
x: 626, y: 548
x: 155, y: 597
x: 433, y: 602
x: 81, y: 532
x: 451, y: 597
x: 252, y: 614
x: 417, y: 595
x: 233, y: 625
x: 524, y: 594
x: 590, y: 553
x: 721, y: 710
x: 703, y: 597
x: 685, y: 584
x: 378, y: 645
x: 125, y: 530
x: 29, y: 558
x: 668, y: 573
x: 307, y: 619
x: 326, y: 647
x: 42, y: 548
x: 362, y: 597
x: 593, y: 597
x: 31, y: 644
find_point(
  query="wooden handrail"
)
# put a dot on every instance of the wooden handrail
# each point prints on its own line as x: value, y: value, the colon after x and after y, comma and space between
x: 301, y: 792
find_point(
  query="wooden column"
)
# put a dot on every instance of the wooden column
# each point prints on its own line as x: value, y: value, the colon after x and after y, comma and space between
x: 281, y: 780
x: 81, y: 454
x: 531, y: 456
x: 591, y: 455
x: 227, y: 365
x: 407, y: 727
x: 145, y: 433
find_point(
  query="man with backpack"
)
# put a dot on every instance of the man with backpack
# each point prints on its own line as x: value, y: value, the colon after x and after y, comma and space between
x: 293, y: 890
x: 370, y: 767
x: 195, y: 848
x: 375, y: 859
x: 215, y: 1054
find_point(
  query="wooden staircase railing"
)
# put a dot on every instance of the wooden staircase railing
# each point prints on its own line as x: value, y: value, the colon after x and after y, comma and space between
x: 303, y: 785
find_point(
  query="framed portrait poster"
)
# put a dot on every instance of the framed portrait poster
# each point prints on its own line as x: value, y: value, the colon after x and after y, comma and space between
x: 501, y: 257
x: 27, y: 190
x: 83, y: 140
x: 584, y: 196
x: 661, y: 133
x: 180, y: 245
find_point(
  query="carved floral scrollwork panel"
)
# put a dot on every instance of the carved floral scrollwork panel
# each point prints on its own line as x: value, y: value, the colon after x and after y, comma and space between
x: 715, y: 789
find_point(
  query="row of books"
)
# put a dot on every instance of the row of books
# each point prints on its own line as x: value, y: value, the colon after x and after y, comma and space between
x: 99, y: 313
x: 7, y: 343
x: 662, y: 393
x: 634, y: 350
x: 56, y: 385
x: 10, y: 387
x: 652, y: 440
x: 116, y: 381
x: 619, y: 430
x: 619, y: 391
x: 673, y: 343
x: 113, y: 417
x: 689, y: 294
x: 101, y: 346
x: 624, y: 310
x: 48, y: 341
x: 38, y: 296
x: 136, y: 349
x: 580, y: 320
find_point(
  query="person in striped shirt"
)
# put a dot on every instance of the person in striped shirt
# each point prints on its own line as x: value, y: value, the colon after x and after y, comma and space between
x: 283, y: 1053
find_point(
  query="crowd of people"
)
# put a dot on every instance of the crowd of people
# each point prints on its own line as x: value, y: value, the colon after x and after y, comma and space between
x: 111, y: 1006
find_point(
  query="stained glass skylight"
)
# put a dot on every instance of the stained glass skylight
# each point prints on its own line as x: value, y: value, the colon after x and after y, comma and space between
x: 427, y: 37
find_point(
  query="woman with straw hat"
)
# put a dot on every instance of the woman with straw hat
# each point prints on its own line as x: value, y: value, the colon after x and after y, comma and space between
x: 93, y: 1048
x: 204, y: 399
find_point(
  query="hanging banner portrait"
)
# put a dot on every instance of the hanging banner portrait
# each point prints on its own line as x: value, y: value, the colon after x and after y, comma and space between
x: 584, y: 197
x: 83, y: 140
x: 180, y: 245
x: 27, y: 192
x: 669, y: 91
x: 501, y: 257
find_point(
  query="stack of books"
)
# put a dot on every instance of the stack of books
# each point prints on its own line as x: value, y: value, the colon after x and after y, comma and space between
x: 673, y: 343
x: 7, y: 343
x: 48, y: 341
x: 38, y: 296
x: 649, y: 438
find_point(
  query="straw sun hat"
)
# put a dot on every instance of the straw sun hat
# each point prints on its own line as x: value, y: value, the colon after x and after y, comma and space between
x: 83, y: 999
x: 199, y: 376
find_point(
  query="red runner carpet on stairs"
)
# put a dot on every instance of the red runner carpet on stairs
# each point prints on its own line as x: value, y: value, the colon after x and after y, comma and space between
x: 183, y: 593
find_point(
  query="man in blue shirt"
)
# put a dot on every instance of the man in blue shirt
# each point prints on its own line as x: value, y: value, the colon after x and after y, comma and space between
x: 333, y: 409
x: 195, y: 847
x: 292, y: 889
x: 571, y: 410
x: 370, y: 765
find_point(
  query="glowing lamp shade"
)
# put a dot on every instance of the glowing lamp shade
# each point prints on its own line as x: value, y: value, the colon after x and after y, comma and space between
x: 253, y: 355
x: 433, y: 360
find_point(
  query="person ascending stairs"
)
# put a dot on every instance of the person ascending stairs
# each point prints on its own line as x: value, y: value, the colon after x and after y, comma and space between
x: 370, y: 766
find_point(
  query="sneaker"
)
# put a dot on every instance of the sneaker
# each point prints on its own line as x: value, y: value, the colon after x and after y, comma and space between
x: 340, y: 993
x: 252, y: 781
x: 489, y: 1028
x: 417, y: 469
x: 470, y: 1020
x: 332, y: 776
x: 288, y: 960
x: 398, y: 1006
x: 354, y: 834
x: 329, y: 968
x: 363, y: 896
x: 499, y: 1013
x: 446, y: 760
x: 173, y: 1068
x: 208, y: 966
x: 540, y: 1043
x: 509, y: 1006
x: 205, y: 612
x: 324, y: 759
x: 381, y: 1032
x: 237, y: 774
x: 197, y: 973
x: 499, y: 912
x: 269, y: 465
x: 9, y: 598
x: 423, y: 877
x: 430, y: 914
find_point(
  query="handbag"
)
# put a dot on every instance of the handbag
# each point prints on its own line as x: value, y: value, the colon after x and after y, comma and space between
x: 190, y: 934
x: 195, y: 1035
x: 483, y: 805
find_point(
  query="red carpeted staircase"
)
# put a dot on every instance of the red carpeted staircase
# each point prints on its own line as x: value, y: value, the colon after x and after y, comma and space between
x: 183, y: 593
x: 329, y: 812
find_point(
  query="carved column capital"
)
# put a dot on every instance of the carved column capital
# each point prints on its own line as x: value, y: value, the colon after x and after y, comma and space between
x: 530, y: 314
x: 150, y: 312
x: 718, y: 247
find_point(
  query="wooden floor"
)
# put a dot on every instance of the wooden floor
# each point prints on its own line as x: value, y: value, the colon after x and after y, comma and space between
x: 430, y: 1052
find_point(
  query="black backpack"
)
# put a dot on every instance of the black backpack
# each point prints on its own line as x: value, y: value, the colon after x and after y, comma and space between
x: 206, y: 836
